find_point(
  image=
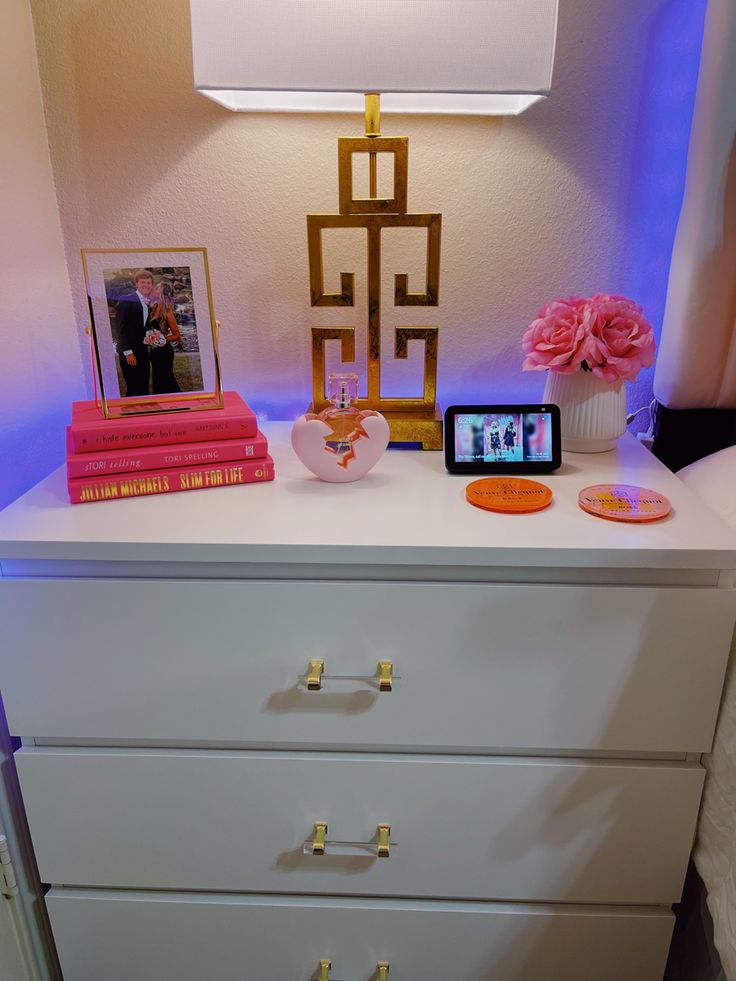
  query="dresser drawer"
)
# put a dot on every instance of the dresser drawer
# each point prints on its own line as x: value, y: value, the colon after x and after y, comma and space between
x: 537, y: 830
x: 478, y: 667
x: 149, y: 937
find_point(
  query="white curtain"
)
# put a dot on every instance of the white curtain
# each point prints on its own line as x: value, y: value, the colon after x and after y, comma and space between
x: 696, y: 366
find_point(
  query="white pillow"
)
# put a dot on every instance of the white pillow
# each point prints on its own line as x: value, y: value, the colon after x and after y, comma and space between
x: 713, y: 479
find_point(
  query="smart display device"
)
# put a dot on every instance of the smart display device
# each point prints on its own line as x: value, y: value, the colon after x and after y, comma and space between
x: 520, y: 439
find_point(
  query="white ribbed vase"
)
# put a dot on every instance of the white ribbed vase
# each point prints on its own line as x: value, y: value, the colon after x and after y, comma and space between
x: 593, y: 411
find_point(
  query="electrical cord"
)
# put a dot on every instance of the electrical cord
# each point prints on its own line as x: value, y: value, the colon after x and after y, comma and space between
x: 644, y: 408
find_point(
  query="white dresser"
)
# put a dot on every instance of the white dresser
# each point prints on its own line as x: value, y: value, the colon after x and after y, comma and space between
x: 363, y: 731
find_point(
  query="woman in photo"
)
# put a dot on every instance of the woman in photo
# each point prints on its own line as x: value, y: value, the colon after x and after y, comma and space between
x: 509, y: 435
x: 163, y: 331
x: 495, y: 438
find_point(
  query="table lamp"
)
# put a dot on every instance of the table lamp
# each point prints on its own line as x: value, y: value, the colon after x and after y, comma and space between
x: 460, y: 57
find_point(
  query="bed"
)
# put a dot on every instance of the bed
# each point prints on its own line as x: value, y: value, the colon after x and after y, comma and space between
x: 714, y: 480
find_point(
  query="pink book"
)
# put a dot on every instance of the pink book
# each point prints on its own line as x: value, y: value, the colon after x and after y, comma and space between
x: 91, y: 432
x: 83, y: 490
x: 161, y: 457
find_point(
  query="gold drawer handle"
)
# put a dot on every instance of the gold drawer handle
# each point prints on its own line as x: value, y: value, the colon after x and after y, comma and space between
x: 381, y: 974
x: 314, y: 675
x: 385, y: 672
x: 318, y: 843
x: 318, y: 838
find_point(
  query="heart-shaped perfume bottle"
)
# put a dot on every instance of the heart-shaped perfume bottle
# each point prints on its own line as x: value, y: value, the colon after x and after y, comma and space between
x: 341, y: 443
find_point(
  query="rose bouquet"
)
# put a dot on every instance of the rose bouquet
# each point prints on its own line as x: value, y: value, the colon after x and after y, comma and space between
x: 589, y: 348
x: 608, y: 335
x: 154, y: 338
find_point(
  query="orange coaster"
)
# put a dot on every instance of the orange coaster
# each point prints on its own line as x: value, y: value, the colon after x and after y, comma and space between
x: 624, y: 502
x: 510, y: 495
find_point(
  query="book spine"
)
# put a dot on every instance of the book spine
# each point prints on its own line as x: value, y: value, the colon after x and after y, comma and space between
x: 86, y: 465
x: 126, y: 434
x: 82, y: 491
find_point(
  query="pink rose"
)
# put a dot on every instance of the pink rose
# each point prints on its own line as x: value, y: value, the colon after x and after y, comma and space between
x: 577, y: 302
x: 556, y: 339
x: 620, y: 340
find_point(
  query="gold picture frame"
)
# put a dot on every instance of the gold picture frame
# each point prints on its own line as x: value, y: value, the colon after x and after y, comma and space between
x: 108, y: 368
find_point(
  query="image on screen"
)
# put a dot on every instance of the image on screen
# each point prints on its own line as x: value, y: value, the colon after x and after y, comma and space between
x: 503, y: 437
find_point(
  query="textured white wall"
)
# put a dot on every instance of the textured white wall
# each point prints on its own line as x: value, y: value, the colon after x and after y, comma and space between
x: 579, y: 194
x: 40, y: 367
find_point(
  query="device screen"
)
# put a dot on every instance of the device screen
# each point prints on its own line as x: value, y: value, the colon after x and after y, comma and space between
x: 503, y: 437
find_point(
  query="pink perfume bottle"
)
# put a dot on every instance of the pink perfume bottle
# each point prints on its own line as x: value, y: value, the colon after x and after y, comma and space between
x: 341, y: 443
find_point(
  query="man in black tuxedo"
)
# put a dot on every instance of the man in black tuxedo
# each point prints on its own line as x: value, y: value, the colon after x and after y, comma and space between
x: 131, y: 317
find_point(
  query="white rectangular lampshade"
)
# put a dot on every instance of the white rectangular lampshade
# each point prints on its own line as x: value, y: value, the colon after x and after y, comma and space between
x: 484, y: 57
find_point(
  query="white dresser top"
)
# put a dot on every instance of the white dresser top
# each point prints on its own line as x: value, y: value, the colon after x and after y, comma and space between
x: 408, y: 511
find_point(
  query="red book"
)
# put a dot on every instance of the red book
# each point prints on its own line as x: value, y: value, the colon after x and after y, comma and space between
x: 83, y: 490
x: 161, y: 457
x: 91, y: 432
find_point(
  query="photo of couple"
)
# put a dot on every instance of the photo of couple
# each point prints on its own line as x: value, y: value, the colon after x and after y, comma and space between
x: 501, y: 439
x: 490, y: 437
x: 154, y: 329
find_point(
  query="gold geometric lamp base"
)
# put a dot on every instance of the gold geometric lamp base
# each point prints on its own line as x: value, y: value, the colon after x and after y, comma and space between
x: 411, y: 420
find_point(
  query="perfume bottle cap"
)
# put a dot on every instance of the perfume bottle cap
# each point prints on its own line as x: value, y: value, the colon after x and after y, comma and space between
x: 342, y: 388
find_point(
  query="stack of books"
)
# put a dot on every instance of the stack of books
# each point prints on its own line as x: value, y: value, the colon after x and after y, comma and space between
x: 158, y: 454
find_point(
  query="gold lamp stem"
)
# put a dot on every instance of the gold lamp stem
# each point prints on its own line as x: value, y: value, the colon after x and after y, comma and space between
x: 373, y: 128
x: 411, y: 419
